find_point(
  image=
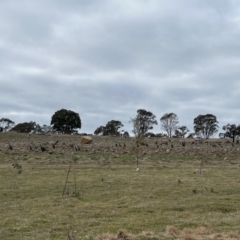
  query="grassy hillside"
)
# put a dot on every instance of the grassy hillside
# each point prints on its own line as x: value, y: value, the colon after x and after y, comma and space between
x: 189, y: 192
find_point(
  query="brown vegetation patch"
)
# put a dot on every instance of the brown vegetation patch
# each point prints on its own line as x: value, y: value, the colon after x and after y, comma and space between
x: 200, y: 233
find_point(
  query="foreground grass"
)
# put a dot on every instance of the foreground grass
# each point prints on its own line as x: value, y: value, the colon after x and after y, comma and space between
x: 114, y: 198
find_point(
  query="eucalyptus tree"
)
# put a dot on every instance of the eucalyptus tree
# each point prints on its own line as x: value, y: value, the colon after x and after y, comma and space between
x: 181, y: 132
x: 25, y: 127
x: 6, y: 124
x: 111, y: 128
x: 169, y: 123
x: 205, y: 126
x: 143, y: 122
x: 231, y: 131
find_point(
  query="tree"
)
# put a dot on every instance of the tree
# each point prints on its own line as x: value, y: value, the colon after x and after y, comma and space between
x: 100, y: 130
x: 161, y: 135
x: 231, y: 131
x: 136, y: 127
x: 45, y: 129
x: 139, y: 136
x: 205, y: 126
x: 191, y: 135
x: 125, y: 134
x: 143, y: 122
x: 150, y: 134
x: 66, y: 121
x: 221, y: 135
x: 169, y: 123
x: 111, y: 128
x: 181, y: 132
x: 6, y: 124
x: 25, y: 127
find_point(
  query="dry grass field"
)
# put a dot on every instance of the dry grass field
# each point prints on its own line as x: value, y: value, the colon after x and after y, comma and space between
x: 180, y: 192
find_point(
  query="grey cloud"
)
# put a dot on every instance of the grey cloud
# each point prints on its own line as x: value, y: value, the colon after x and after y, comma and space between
x: 107, y: 59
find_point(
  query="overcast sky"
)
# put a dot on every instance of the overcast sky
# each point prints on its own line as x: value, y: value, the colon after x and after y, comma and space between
x: 107, y: 59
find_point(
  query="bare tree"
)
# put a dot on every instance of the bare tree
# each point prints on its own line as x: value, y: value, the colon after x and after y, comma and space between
x: 169, y: 123
x: 137, y: 131
x: 136, y: 127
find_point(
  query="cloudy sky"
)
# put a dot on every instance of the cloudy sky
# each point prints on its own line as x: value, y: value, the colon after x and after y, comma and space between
x: 107, y: 59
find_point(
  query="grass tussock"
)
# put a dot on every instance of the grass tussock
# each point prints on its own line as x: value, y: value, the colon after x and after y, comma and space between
x: 171, y: 232
x: 121, y: 235
x: 200, y: 233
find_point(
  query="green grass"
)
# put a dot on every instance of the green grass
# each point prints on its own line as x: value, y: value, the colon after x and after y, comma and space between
x: 113, y: 198
x: 111, y: 195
